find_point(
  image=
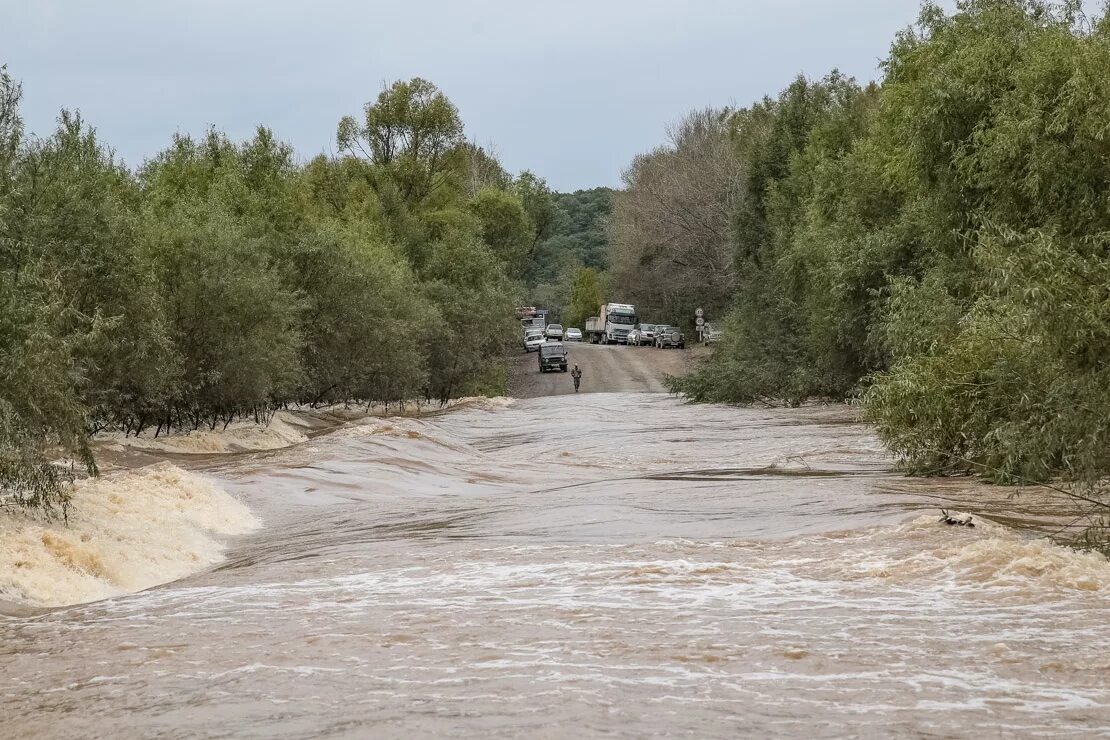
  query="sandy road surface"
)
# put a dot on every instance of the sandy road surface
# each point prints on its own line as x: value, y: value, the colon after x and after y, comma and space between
x: 605, y: 369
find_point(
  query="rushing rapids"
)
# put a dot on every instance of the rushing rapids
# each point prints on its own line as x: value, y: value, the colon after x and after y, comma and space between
x: 617, y: 563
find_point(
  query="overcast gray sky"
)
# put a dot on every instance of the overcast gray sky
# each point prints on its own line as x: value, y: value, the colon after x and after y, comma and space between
x: 571, y: 89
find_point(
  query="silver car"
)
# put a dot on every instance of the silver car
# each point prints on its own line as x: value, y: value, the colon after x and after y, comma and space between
x: 642, y: 334
x: 572, y: 335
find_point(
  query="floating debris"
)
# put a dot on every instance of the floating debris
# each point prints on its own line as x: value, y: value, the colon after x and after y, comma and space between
x: 956, y: 520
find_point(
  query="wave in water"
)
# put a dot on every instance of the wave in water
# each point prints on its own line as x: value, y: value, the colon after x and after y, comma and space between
x: 126, y: 532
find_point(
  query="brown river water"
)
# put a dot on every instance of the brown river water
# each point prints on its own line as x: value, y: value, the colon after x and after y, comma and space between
x: 605, y: 564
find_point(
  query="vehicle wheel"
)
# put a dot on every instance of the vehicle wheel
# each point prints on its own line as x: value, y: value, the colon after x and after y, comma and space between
x: 682, y: 346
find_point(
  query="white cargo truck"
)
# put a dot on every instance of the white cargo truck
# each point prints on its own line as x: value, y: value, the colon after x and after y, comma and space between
x: 612, y: 324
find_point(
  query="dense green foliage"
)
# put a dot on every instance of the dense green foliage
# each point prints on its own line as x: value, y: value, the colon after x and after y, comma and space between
x: 587, y: 294
x: 576, y: 241
x: 223, y: 278
x: 937, y: 245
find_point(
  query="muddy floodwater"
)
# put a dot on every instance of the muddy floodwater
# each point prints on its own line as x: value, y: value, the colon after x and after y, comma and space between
x: 618, y: 564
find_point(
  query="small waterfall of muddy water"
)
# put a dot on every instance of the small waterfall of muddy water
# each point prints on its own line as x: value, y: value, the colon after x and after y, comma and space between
x: 600, y: 564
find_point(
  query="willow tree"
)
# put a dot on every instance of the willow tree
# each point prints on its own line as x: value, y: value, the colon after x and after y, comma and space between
x: 996, y: 120
x: 43, y: 336
x: 413, y: 133
x: 473, y: 323
x: 365, y: 323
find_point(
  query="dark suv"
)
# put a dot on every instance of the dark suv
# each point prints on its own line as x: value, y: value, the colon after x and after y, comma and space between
x: 553, y: 356
x: 669, y: 336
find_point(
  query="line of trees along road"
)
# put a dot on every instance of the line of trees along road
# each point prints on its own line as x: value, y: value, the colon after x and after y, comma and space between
x: 936, y: 244
x: 221, y: 279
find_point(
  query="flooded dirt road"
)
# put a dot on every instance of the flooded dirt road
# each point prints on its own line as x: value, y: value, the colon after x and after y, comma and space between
x: 619, y: 564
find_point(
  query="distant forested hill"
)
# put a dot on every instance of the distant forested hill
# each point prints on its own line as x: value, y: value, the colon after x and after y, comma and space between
x: 578, y: 242
x: 579, y: 237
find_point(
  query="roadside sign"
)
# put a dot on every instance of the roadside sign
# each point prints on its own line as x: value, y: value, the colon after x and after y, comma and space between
x: 699, y: 313
x: 700, y: 321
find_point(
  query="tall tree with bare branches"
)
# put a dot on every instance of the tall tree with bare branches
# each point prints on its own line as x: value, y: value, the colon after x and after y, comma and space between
x: 671, y: 234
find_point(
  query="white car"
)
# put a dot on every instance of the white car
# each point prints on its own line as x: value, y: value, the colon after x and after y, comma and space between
x: 533, y: 340
x: 572, y: 335
x: 554, y: 331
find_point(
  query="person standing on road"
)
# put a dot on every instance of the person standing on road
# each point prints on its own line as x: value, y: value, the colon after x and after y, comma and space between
x: 576, y: 375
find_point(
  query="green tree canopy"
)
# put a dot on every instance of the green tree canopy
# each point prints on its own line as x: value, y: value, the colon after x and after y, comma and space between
x: 413, y: 132
x: 586, y: 297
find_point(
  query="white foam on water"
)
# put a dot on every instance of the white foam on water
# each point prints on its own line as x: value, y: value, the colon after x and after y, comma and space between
x: 487, y: 403
x: 989, y: 555
x: 126, y: 532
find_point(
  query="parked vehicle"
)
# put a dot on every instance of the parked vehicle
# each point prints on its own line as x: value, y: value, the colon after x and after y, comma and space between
x: 710, y: 334
x: 533, y: 338
x: 572, y: 335
x: 642, y: 334
x: 554, y: 331
x: 553, y: 356
x: 669, y: 336
x: 612, y: 324
x: 595, y: 327
x: 531, y: 318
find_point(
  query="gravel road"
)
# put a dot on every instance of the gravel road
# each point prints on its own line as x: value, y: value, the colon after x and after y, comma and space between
x: 605, y: 369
